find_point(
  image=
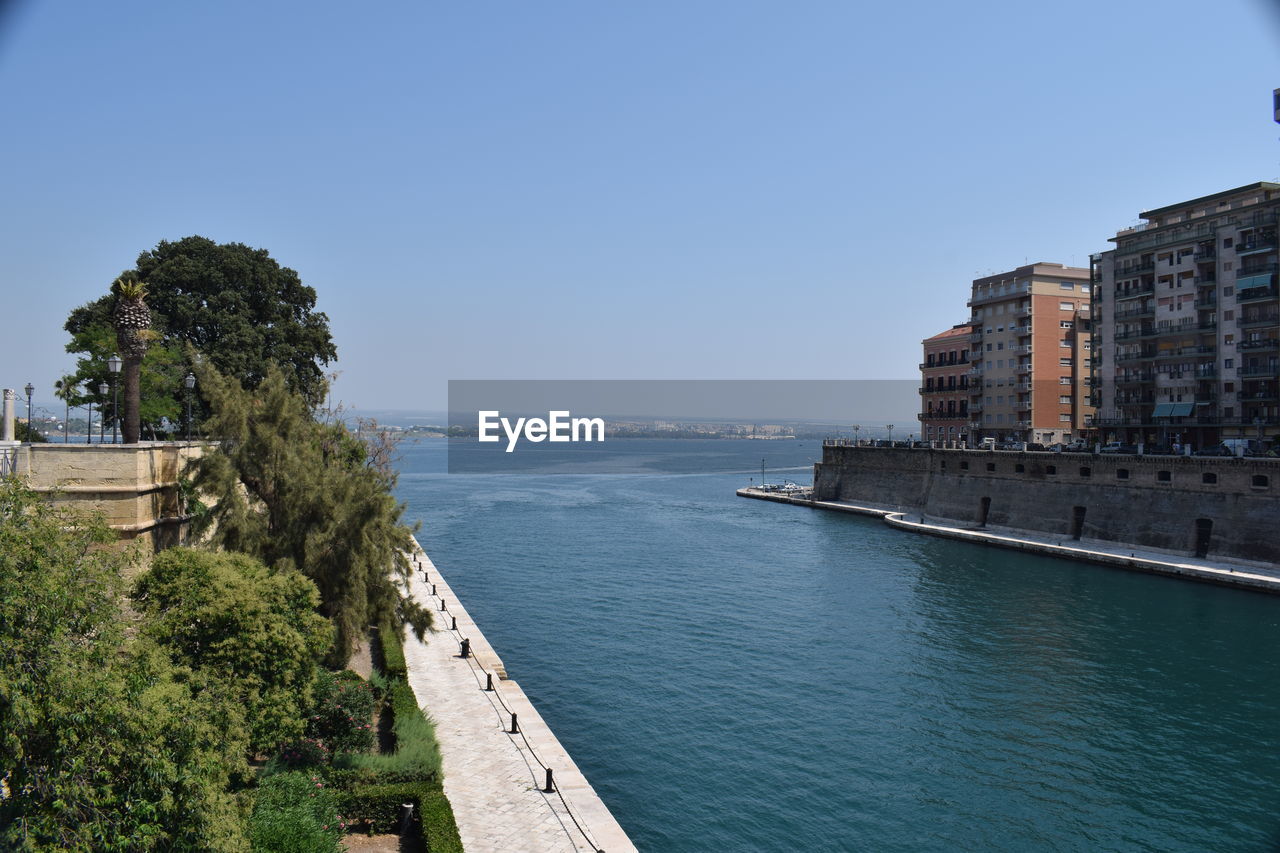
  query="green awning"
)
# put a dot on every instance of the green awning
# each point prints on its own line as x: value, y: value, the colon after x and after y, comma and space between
x: 1181, y: 410
x: 1162, y: 410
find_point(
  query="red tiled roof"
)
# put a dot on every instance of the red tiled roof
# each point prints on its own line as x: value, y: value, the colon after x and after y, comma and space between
x: 959, y: 331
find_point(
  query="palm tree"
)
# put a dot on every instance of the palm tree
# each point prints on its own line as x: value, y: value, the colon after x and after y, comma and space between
x: 64, y: 389
x: 132, y: 319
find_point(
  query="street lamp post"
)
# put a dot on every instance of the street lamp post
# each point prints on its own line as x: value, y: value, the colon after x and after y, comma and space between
x: 88, y: 430
x: 190, y: 383
x: 890, y: 428
x: 113, y: 364
x: 30, y: 389
x: 856, y: 428
x: 103, y: 388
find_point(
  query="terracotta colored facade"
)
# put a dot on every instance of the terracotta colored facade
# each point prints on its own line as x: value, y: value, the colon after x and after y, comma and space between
x: 1029, y: 375
x: 944, y: 386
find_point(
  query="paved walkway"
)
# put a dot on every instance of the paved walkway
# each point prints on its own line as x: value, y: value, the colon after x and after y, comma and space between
x: 493, y: 778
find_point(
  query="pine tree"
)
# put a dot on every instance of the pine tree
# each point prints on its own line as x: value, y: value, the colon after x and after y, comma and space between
x: 296, y: 493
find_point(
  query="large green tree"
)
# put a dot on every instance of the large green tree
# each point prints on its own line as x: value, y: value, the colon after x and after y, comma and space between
x: 234, y: 304
x: 243, y: 630
x: 105, y: 744
x: 297, y: 493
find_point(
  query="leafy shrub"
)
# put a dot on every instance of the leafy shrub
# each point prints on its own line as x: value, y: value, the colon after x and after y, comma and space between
x: 417, y: 752
x: 343, y: 711
x: 304, y: 752
x: 296, y: 813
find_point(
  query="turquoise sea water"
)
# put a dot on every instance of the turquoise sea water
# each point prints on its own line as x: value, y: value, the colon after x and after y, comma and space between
x: 735, y: 675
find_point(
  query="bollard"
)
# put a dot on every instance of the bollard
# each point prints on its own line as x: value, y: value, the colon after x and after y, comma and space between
x: 515, y: 729
x: 455, y: 623
x: 550, y: 788
x: 433, y: 589
x: 488, y: 681
x: 466, y: 648
x: 406, y: 815
x: 442, y: 607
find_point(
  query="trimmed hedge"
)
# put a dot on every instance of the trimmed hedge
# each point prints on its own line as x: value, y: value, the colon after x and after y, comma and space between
x: 372, y: 788
x: 393, y: 665
x: 379, y: 806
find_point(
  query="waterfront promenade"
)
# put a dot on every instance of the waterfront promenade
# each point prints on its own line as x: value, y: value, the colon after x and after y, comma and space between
x: 495, y: 779
x: 1254, y: 576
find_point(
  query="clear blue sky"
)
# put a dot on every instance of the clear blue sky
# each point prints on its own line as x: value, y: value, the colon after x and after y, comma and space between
x: 610, y: 190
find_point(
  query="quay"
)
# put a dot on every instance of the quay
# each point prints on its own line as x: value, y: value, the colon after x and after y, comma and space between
x: 1243, y: 574
x: 495, y: 748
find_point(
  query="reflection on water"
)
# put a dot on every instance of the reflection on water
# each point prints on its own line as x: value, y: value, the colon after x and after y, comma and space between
x: 735, y: 674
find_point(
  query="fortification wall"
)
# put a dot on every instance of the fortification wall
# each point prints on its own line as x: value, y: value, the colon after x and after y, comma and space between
x: 1219, y: 507
x: 134, y: 486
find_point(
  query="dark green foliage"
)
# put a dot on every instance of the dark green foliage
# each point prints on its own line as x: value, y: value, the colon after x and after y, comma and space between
x: 303, y: 752
x: 296, y: 813
x: 393, y: 663
x: 105, y: 744
x: 342, y: 712
x: 234, y: 304
x: 160, y: 377
x: 378, y: 807
x: 245, y: 631
x: 296, y: 493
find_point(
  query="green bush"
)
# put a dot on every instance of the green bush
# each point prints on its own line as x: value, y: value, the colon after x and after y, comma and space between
x: 417, y: 752
x: 393, y: 665
x: 303, y: 752
x: 342, y: 713
x: 378, y: 808
x: 296, y: 813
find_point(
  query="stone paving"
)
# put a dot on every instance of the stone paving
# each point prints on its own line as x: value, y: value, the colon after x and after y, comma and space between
x: 492, y: 779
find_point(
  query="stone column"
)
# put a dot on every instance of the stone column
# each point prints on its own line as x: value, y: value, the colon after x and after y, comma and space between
x: 9, y: 396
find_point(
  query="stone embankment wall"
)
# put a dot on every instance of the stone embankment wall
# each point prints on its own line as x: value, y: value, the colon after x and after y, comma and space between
x: 1216, y: 507
x: 134, y: 486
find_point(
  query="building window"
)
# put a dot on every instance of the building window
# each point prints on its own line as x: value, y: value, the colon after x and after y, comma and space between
x: 1064, y: 362
x: 1019, y: 468
x: 1064, y: 418
x: 1261, y: 481
x: 991, y: 466
x: 1051, y: 469
x: 1065, y: 400
x: 1066, y: 306
x: 1122, y: 473
x: 1064, y: 380
x: 1066, y: 285
x: 1086, y: 471
x: 964, y: 465
x: 1164, y: 476
x: 1209, y: 477
x: 1066, y: 324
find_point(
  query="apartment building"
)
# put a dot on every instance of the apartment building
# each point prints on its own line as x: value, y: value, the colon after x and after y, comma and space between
x: 1187, y: 334
x: 1028, y: 377
x: 944, y: 386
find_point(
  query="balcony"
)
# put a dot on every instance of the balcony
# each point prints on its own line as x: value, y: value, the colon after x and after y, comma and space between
x: 975, y: 337
x: 1135, y: 313
x: 1205, y: 256
x: 1256, y: 294
x: 1252, y: 321
x: 1262, y: 345
x: 1134, y: 356
x: 1022, y: 407
x: 943, y: 416
x: 1181, y: 352
x: 1136, y: 269
x: 1135, y: 333
x: 1210, y: 301
x: 1206, y: 279
x: 1259, y: 243
x: 1267, y: 370
x: 1135, y: 378
x: 1136, y: 291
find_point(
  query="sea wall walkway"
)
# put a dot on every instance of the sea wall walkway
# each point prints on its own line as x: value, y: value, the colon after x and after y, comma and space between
x: 1256, y: 576
x: 496, y: 779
